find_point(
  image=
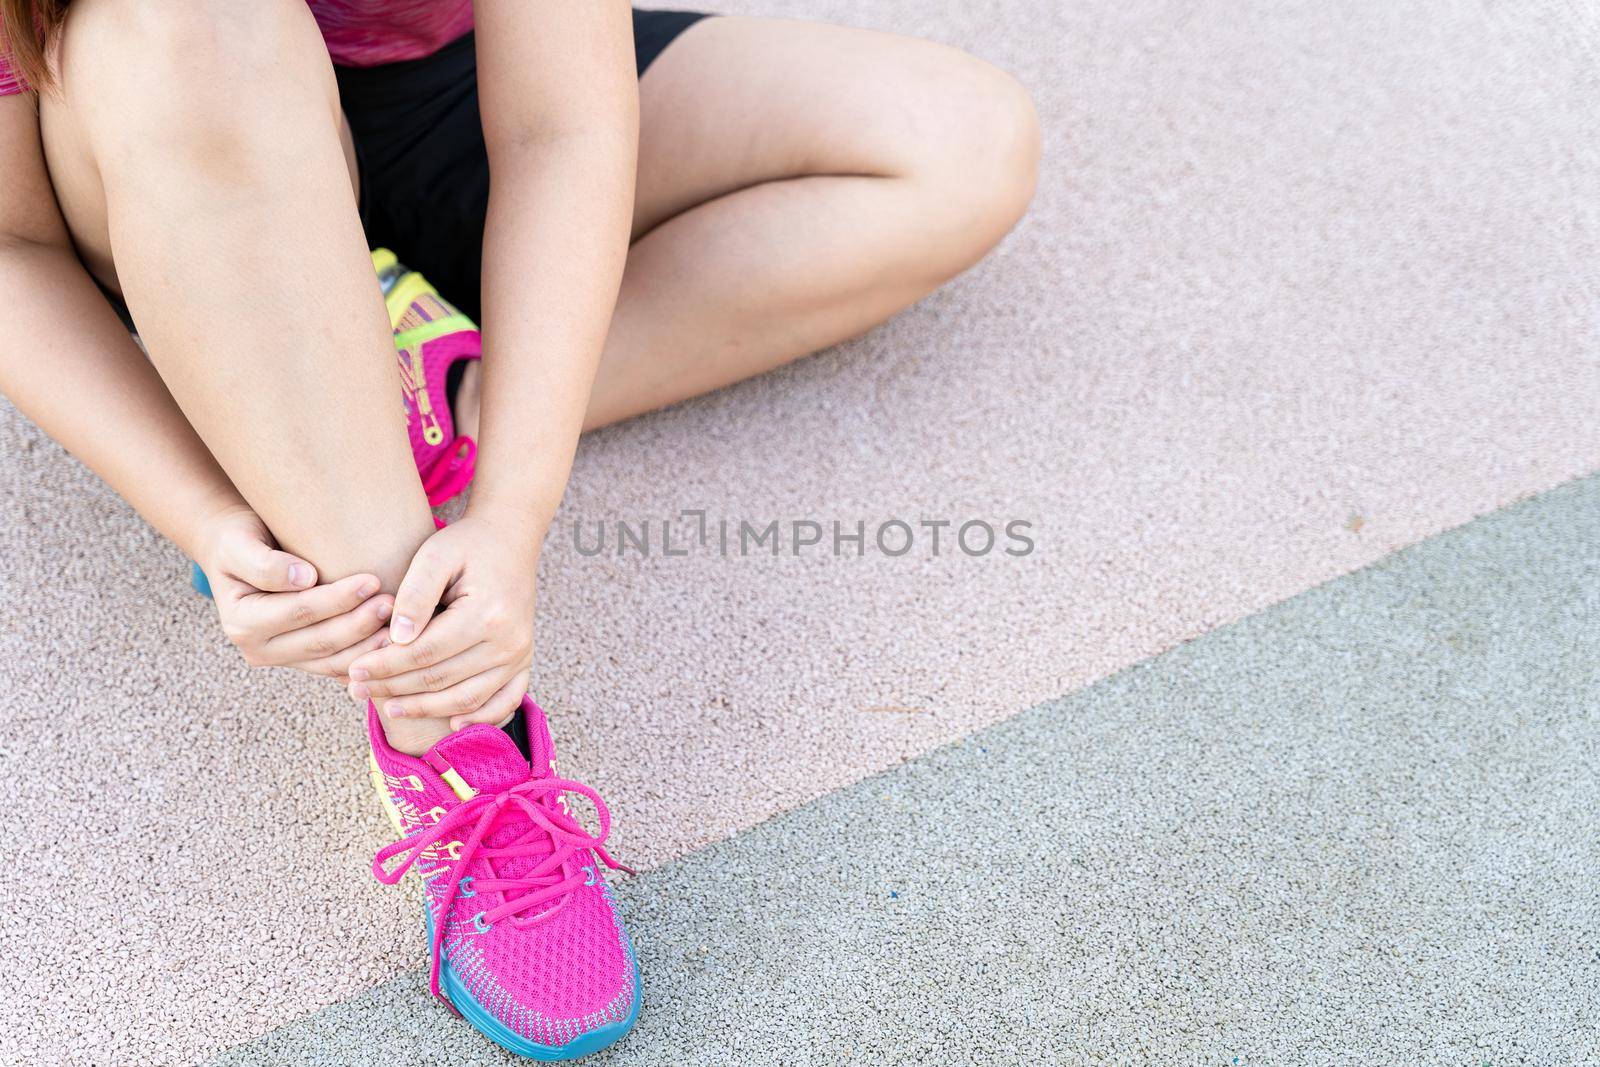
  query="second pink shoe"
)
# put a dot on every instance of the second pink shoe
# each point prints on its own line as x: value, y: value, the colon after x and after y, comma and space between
x: 430, y: 338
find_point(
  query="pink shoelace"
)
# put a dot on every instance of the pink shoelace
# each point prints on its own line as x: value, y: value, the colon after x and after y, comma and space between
x: 451, y: 475
x: 555, y: 835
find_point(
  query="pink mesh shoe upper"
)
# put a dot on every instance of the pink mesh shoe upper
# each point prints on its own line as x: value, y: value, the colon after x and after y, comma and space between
x: 521, y: 915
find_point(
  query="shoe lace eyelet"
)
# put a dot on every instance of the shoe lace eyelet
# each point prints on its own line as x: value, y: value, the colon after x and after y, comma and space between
x: 466, y: 889
x: 482, y: 927
x: 590, y: 875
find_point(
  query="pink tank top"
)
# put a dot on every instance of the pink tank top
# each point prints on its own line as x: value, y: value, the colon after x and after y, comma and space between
x: 364, y: 33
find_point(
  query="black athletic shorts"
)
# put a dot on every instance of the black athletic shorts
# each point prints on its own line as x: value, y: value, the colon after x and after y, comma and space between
x: 423, y: 165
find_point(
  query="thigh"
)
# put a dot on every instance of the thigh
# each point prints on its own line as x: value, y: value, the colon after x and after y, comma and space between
x: 735, y: 102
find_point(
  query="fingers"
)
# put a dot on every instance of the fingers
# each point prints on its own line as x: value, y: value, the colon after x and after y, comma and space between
x: 429, y: 575
x: 266, y: 568
x: 331, y: 636
x: 338, y: 665
x: 458, y: 668
x: 459, y: 700
x: 277, y: 614
x: 498, y: 708
x: 449, y: 634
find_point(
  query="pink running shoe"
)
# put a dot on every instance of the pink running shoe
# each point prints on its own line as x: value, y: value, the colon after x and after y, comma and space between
x: 526, y: 941
x: 430, y: 337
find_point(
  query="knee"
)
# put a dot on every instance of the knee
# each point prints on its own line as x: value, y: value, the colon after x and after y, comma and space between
x: 181, y: 74
x: 1011, y: 141
x: 980, y: 156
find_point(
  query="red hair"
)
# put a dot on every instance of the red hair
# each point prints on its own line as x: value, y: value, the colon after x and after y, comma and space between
x: 26, y: 27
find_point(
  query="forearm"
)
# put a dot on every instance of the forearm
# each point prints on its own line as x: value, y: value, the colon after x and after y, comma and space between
x: 554, y: 248
x: 68, y: 363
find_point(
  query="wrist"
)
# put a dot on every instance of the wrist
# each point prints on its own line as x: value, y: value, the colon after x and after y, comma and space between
x: 211, y: 514
x: 512, y: 508
x: 520, y: 522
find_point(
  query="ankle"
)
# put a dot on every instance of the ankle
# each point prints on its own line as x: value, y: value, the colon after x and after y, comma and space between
x: 414, y: 736
x: 466, y: 404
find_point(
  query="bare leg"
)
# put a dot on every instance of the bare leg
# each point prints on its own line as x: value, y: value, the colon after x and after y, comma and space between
x: 196, y: 152
x: 799, y: 183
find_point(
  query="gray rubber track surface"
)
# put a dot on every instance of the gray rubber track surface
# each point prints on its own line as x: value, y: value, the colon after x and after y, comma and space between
x: 1357, y: 828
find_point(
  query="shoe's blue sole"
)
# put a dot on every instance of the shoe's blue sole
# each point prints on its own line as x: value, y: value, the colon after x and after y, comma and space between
x: 584, y: 1045
x: 197, y: 578
x: 490, y: 1027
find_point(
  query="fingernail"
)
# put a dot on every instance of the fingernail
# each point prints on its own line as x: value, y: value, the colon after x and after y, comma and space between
x: 384, y: 609
x: 359, y: 674
x: 358, y: 691
x: 394, y: 711
x: 368, y: 588
x: 402, y: 629
x: 299, y: 575
x: 385, y: 643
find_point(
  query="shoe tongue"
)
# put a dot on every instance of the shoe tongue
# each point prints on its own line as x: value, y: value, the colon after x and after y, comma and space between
x: 488, y: 759
x: 484, y: 757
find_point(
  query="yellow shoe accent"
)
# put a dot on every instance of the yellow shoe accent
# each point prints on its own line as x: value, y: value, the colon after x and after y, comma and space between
x: 410, y: 288
x: 384, y: 800
x: 383, y: 259
x: 458, y: 783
